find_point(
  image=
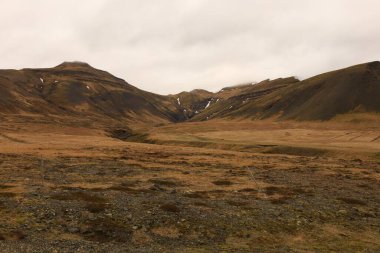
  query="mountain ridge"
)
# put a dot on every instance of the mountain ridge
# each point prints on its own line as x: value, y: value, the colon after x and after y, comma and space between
x: 77, y: 91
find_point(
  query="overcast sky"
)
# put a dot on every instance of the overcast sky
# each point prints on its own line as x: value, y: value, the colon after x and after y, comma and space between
x: 166, y: 46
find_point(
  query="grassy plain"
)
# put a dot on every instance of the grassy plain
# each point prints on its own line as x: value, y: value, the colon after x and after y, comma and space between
x: 215, y: 186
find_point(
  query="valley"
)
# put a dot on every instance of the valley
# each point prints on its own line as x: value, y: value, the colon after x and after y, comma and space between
x: 90, y: 163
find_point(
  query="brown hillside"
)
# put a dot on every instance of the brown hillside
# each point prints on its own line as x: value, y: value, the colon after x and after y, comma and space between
x: 79, y: 91
x: 353, y: 89
x: 191, y: 103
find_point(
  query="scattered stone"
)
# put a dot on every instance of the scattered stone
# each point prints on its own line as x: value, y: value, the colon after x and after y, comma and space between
x: 73, y: 230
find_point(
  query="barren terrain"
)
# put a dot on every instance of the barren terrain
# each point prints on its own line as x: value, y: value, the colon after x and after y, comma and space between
x: 215, y: 186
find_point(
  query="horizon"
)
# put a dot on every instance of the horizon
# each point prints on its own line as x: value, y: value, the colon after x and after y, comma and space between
x: 165, y: 47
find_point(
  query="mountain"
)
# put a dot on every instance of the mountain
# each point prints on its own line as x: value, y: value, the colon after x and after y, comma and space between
x: 353, y: 89
x: 75, y: 91
x: 193, y: 102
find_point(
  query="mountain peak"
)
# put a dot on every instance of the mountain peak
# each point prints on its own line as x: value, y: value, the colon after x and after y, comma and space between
x: 74, y: 64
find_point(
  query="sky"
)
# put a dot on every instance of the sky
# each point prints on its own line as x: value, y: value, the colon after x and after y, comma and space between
x: 168, y: 46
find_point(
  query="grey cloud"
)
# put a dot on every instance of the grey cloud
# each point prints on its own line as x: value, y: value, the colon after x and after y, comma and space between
x: 167, y: 46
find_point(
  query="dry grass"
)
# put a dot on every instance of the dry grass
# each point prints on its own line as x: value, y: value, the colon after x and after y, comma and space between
x: 263, y: 193
x: 258, y: 135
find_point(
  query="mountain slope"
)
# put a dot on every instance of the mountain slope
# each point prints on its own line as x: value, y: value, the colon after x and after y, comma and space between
x: 353, y: 89
x: 78, y: 91
x: 191, y: 103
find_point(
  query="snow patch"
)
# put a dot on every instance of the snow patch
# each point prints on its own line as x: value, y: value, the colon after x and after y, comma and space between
x: 178, y: 101
x: 231, y: 107
x: 88, y: 87
x: 55, y: 81
x: 217, y: 100
x: 208, y: 104
x: 42, y: 80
